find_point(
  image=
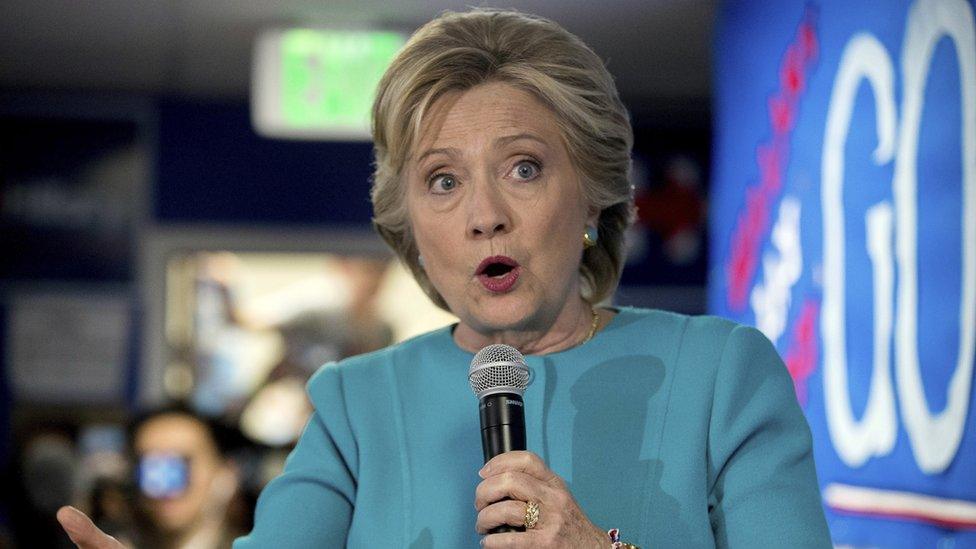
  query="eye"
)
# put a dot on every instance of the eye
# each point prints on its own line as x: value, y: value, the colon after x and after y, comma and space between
x: 442, y: 183
x: 526, y: 170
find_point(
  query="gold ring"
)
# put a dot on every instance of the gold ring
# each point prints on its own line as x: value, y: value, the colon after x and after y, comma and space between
x: 531, y: 514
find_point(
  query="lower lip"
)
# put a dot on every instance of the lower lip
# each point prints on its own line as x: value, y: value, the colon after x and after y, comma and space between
x: 500, y: 284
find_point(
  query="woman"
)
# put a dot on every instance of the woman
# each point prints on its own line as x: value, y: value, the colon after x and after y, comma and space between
x: 502, y: 157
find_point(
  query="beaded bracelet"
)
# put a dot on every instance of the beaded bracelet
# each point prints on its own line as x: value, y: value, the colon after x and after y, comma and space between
x: 615, y: 543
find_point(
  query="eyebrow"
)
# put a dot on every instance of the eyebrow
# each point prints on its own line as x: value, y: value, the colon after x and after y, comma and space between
x: 524, y: 135
x: 449, y: 151
x: 501, y: 141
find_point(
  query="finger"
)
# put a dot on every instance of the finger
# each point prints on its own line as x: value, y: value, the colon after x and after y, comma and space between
x: 508, y: 539
x: 509, y: 485
x: 83, y: 531
x: 510, y: 512
x: 521, y: 461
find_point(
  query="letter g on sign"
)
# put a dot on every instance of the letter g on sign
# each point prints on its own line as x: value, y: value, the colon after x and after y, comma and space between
x: 934, y: 438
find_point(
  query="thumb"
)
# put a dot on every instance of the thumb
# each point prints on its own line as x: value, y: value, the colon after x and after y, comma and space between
x: 83, y: 531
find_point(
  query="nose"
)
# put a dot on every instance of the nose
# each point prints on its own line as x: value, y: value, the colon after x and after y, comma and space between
x: 488, y: 212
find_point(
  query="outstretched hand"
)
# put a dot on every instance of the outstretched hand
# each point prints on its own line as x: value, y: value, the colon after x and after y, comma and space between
x: 514, y: 478
x: 83, y: 531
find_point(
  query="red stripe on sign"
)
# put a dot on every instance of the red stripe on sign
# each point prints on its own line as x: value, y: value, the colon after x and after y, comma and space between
x: 949, y: 513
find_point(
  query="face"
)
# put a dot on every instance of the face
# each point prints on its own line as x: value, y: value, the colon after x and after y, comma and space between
x: 496, y: 209
x: 183, y: 436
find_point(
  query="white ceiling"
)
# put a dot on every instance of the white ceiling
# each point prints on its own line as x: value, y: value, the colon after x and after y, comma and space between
x: 657, y: 49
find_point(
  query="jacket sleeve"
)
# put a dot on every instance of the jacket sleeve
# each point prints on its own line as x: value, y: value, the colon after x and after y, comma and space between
x: 763, y: 486
x: 311, y: 503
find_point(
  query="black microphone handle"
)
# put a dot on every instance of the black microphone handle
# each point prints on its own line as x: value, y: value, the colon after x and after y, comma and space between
x: 502, y: 430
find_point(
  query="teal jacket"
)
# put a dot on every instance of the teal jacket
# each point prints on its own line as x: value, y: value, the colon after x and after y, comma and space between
x: 680, y: 431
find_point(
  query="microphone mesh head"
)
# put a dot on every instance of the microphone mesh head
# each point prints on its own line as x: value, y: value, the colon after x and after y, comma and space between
x: 498, y: 368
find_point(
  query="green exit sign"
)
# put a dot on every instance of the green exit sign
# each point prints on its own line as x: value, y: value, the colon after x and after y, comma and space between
x: 318, y: 84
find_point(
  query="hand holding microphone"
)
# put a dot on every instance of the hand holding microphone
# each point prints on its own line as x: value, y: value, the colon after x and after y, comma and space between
x: 520, y: 502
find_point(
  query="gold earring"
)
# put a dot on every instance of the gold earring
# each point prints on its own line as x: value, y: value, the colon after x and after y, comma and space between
x: 589, y: 237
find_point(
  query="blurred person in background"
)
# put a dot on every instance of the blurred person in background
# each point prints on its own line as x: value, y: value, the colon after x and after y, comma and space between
x: 187, y: 489
x: 110, y: 507
x: 187, y: 486
x: 44, y: 478
x: 502, y: 162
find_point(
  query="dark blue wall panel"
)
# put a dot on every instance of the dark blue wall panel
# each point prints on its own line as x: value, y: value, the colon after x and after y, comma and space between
x: 213, y: 167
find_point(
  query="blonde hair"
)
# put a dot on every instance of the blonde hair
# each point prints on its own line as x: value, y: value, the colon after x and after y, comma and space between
x: 458, y: 51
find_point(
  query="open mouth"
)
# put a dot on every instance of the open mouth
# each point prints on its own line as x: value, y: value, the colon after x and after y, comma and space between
x: 497, y: 269
x: 497, y: 266
x: 498, y: 274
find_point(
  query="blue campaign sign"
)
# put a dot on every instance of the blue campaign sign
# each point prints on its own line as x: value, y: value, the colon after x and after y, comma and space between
x: 843, y: 225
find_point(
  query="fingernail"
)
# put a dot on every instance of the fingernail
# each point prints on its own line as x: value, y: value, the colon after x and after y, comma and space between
x: 484, y: 470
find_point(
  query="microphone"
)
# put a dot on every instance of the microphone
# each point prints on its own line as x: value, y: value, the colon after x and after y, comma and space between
x: 499, y: 376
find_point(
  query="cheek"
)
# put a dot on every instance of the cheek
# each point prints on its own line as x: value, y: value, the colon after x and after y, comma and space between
x: 441, y: 254
x: 560, y: 241
x: 436, y: 234
x: 563, y: 234
x: 426, y: 226
x: 428, y: 240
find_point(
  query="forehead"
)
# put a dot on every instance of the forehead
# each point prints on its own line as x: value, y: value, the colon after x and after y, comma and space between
x: 173, y: 433
x: 485, y: 112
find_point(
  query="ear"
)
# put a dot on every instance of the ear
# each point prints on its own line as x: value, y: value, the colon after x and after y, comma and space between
x: 593, y: 216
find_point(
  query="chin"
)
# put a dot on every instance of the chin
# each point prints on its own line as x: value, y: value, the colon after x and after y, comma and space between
x: 172, y: 519
x: 503, y: 313
x: 171, y: 525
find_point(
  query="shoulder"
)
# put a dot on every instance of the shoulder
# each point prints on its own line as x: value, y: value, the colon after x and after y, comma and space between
x: 702, y: 352
x: 659, y: 318
x: 701, y: 332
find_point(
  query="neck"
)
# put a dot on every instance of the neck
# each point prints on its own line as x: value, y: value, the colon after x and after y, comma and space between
x: 570, y: 328
x: 203, y: 534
